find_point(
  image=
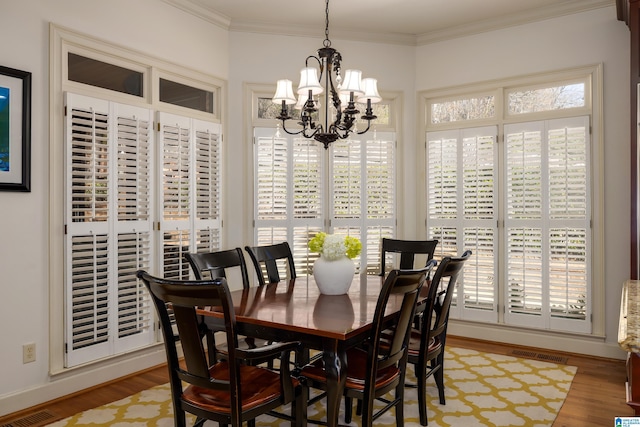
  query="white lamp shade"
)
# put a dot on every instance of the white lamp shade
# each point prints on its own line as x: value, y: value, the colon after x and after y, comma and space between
x: 309, y: 82
x: 370, y: 87
x: 284, y: 92
x: 352, y: 82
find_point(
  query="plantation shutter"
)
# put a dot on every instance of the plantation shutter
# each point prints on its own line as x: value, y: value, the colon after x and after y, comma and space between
x: 547, y: 226
x: 289, y: 187
x: 462, y: 213
x: 363, y: 193
x: 108, y: 152
x: 294, y: 199
x: 191, y: 186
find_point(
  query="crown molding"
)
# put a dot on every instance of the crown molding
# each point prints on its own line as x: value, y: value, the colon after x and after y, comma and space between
x: 553, y: 11
x: 206, y: 14
x: 561, y: 8
x: 336, y: 33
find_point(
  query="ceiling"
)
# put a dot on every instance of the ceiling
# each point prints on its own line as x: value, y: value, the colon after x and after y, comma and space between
x: 412, y: 22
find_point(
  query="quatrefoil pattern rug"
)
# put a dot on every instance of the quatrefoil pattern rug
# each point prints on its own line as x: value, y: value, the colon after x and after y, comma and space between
x: 482, y: 389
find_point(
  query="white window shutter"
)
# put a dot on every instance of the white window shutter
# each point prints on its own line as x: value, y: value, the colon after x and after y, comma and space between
x: 288, y: 193
x: 547, y: 226
x: 363, y: 189
x: 107, y: 169
x: 190, y: 152
x: 462, y: 213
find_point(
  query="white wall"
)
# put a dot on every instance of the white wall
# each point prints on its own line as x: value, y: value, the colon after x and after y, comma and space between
x: 570, y: 41
x: 150, y: 26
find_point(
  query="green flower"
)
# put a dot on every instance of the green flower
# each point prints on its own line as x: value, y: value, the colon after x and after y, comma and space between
x: 354, y: 247
x: 333, y: 247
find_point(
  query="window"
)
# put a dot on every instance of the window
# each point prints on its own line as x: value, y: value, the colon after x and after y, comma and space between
x: 102, y: 74
x: 140, y: 178
x: 295, y: 197
x: 518, y: 193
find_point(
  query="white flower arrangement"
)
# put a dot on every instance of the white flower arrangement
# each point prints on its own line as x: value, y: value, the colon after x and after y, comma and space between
x: 333, y: 246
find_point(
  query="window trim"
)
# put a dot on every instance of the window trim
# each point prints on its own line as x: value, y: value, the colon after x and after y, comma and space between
x: 254, y: 91
x: 61, y: 42
x: 593, y: 74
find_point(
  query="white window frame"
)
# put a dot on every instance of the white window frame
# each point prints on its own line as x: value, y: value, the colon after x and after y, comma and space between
x: 63, y: 41
x: 591, y: 76
x: 267, y: 128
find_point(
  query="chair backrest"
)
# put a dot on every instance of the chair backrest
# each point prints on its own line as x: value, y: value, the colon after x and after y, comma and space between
x: 185, y: 296
x: 405, y: 284
x: 266, y: 259
x: 210, y: 265
x: 408, y: 249
x: 438, y: 302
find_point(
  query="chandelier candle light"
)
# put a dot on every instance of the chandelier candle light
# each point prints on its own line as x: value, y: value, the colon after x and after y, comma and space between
x: 334, y: 270
x: 342, y: 95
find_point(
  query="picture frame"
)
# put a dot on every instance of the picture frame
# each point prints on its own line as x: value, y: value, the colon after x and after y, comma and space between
x: 15, y: 130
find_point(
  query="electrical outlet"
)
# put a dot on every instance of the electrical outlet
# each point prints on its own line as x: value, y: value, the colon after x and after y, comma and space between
x: 29, y: 353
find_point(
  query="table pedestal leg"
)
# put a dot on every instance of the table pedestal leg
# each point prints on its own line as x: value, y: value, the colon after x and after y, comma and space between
x: 335, y: 364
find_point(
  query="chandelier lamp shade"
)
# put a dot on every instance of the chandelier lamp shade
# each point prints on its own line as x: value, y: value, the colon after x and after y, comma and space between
x: 340, y: 96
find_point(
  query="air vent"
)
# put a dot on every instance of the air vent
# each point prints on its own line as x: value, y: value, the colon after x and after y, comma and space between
x: 540, y: 356
x: 32, y: 420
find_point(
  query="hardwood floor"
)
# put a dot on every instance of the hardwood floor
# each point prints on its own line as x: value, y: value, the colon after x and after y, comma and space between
x: 596, y: 397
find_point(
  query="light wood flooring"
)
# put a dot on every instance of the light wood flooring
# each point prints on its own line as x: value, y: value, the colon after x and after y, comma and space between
x: 596, y: 397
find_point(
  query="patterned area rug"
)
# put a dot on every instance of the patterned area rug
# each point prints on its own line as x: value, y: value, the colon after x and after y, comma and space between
x: 482, y: 389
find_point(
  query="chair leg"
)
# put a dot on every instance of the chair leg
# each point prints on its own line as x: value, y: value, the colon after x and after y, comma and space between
x: 439, y: 377
x: 359, y: 408
x: 421, y: 375
x: 180, y: 417
x: 348, y: 409
x: 299, y: 409
x: 251, y: 423
x: 400, y: 405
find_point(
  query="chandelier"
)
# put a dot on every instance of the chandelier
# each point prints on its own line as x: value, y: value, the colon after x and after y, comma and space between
x: 341, y: 94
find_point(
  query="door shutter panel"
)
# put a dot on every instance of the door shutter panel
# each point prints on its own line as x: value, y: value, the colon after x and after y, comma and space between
x: 107, y: 161
x: 288, y: 193
x: 191, y: 190
x: 461, y: 213
x: 363, y: 189
x: 548, y: 224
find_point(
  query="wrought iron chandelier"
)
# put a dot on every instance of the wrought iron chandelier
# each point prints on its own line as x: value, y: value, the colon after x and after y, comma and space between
x: 342, y: 95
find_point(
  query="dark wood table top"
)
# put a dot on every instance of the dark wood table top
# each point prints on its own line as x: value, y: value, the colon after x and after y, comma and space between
x: 298, y: 306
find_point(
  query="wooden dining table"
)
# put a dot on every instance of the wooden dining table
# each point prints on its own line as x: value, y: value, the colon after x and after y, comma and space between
x: 295, y: 310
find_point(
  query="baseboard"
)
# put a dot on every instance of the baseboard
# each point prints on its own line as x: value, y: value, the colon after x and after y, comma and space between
x: 588, y: 346
x: 63, y: 385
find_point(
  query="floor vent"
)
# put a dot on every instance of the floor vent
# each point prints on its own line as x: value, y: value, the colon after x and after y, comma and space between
x: 33, y: 420
x: 540, y: 356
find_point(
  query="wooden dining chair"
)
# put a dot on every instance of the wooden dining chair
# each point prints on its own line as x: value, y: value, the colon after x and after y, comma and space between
x: 427, y: 343
x: 408, y: 249
x: 270, y: 260
x: 371, y: 373
x: 211, y: 265
x: 228, y: 391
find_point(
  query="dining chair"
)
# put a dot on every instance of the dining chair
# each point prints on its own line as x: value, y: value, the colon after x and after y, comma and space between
x: 427, y: 343
x: 371, y: 373
x: 228, y: 391
x: 211, y: 265
x: 270, y: 260
x: 217, y: 264
x: 408, y: 249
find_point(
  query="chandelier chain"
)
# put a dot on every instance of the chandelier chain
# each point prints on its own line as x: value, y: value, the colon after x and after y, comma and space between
x: 326, y: 42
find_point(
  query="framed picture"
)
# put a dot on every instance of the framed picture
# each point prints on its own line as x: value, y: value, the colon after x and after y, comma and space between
x: 15, y: 130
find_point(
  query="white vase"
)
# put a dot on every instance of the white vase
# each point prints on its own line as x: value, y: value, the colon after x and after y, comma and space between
x: 334, y: 277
